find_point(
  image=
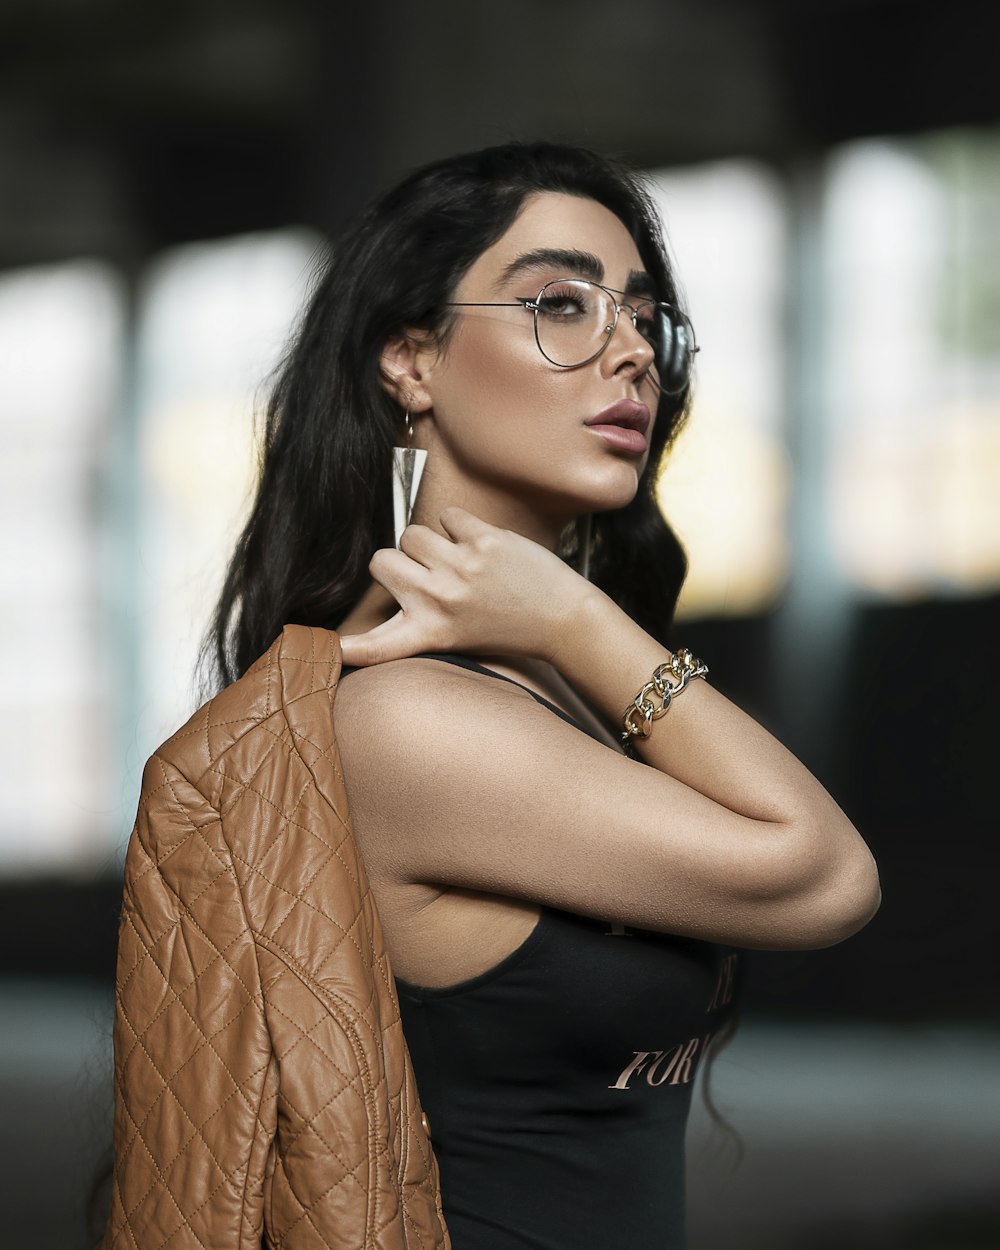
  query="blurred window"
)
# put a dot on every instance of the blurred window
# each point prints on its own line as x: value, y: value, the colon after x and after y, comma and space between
x: 125, y: 478
x: 724, y: 488
x: 913, y: 285
x: 60, y: 356
x: 214, y: 319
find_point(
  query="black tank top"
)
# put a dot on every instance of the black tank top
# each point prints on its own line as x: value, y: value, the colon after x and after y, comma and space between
x: 557, y: 1084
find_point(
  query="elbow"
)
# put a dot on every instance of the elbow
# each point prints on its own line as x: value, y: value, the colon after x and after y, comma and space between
x: 844, y: 906
x: 818, y: 898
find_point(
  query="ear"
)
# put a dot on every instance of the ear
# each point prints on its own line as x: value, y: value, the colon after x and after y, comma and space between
x: 407, y: 361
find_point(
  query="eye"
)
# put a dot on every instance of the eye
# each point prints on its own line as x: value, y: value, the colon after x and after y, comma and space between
x: 563, y: 300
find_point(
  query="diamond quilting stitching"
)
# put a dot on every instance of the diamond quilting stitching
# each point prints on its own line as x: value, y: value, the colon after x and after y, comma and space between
x: 263, y: 729
x: 207, y: 1040
x: 308, y: 1126
x: 307, y: 1122
x: 334, y: 848
x: 173, y: 1076
x: 298, y: 893
x: 149, y: 947
x: 247, y: 786
x: 186, y: 1220
x: 307, y: 1214
x: 162, y: 1172
x: 199, y: 724
x: 249, y: 783
x: 305, y: 1035
x: 322, y: 993
x: 146, y: 958
x: 299, y: 901
x: 376, y: 963
x: 162, y: 1177
x: 328, y: 754
x: 332, y: 891
x: 170, y: 781
x: 205, y: 725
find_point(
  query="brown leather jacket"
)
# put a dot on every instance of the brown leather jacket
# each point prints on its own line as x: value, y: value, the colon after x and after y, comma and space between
x: 263, y: 1089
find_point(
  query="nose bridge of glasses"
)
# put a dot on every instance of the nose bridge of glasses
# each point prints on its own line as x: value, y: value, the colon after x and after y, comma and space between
x: 631, y: 319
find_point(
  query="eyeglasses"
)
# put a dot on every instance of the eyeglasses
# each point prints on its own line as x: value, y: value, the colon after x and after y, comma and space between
x: 575, y: 319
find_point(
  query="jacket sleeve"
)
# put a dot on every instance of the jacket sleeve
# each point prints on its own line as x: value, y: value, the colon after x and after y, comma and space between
x: 195, y: 1075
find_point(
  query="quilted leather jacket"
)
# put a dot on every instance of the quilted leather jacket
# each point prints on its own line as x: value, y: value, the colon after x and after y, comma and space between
x: 263, y: 1089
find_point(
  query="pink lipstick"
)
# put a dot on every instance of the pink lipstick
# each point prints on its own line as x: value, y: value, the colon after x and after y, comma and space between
x: 623, y: 425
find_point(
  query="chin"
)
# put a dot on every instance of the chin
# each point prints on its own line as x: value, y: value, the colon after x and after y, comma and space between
x: 618, y: 493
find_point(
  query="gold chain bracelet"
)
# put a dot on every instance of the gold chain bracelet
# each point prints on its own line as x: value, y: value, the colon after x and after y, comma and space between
x: 638, y: 717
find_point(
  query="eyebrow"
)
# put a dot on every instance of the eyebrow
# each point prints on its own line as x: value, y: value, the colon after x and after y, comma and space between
x: 575, y: 264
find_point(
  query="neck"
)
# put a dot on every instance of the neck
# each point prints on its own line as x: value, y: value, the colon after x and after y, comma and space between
x: 444, y: 485
x: 491, y: 503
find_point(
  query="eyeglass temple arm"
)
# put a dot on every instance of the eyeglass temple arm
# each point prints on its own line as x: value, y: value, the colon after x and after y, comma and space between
x: 533, y: 306
x: 520, y: 303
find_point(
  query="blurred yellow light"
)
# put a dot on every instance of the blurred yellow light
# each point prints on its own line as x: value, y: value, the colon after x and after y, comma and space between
x: 725, y: 490
x: 201, y: 455
x: 919, y: 515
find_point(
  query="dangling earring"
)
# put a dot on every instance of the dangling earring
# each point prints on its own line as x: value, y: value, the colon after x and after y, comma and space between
x: 407, y: 469
x: 584, y: 530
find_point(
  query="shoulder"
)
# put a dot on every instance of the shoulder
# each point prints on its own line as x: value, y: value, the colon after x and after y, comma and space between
x: 416, y: 694
x: 428, y: 723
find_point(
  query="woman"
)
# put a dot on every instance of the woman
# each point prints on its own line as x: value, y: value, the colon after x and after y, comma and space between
x: 559, y: 916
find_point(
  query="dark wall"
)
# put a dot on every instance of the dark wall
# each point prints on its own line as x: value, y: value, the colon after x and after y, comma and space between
x: 124, y: 128
x: 910, y: 752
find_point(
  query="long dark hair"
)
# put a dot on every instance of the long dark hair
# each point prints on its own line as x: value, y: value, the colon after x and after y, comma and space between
x: 323, y: 504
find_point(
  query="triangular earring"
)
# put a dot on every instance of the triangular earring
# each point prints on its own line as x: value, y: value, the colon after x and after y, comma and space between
x: 407, y: 469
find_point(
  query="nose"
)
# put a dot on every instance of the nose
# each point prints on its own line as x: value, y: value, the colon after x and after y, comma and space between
x: 627, y: 348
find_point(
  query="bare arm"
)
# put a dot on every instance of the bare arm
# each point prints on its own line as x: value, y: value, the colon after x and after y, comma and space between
x: 725, y: 836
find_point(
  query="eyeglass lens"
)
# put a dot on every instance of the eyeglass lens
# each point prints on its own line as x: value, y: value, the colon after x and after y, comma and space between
x: 575, y: 319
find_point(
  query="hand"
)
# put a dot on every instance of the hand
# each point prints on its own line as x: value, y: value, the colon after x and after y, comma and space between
x: 481, y: 589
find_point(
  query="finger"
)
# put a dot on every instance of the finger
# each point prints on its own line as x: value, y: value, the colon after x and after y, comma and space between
x: 394, y: 639
x: 426, y: 546
x: 464, y: 526
x: 396, y: 571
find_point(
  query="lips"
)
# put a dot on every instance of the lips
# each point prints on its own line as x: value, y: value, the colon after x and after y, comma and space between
x: 623, y: 425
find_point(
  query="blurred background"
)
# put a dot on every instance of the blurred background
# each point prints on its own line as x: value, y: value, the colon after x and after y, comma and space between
x: 829, y: 176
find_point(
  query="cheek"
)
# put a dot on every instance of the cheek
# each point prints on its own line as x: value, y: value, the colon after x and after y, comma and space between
x: 487, y: 350
x: 496, y: 382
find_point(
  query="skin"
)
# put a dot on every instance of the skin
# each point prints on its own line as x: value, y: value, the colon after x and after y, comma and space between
x: 496, y: 805
x: 504, y: 428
